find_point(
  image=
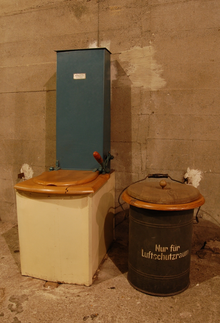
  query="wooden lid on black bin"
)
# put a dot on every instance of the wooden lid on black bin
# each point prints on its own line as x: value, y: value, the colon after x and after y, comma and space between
x: 163, y: 195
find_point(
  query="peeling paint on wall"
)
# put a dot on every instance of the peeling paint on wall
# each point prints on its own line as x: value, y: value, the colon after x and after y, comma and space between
x: 142, y: 68
x: 93, y: 44
x: 103, y: 44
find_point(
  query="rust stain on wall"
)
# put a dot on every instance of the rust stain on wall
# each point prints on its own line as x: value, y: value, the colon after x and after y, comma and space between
x: 114, y: 8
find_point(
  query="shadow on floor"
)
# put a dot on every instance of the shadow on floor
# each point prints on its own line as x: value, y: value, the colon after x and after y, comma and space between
x: 12, y: 240
x: 205, y: 256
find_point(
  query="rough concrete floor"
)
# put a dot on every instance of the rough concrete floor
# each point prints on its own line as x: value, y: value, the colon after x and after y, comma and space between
x: 111, y: 298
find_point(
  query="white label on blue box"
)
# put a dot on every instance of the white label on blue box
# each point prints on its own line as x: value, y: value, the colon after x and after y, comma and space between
x: 79, y: 76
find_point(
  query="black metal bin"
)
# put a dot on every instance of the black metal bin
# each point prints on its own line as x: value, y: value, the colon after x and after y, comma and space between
x: 160, y: 235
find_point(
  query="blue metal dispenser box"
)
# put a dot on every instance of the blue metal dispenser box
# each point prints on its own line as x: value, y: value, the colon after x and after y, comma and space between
x: 83, y: 107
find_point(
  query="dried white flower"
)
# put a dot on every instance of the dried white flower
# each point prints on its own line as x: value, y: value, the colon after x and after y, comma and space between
x: 193, y: 176
x: 27, y: 170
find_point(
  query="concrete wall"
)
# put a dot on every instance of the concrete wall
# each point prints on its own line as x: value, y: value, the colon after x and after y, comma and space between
x: 165, y: 86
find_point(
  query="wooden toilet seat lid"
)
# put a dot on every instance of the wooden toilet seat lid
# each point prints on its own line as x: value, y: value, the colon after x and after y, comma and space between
x: 64, y: 177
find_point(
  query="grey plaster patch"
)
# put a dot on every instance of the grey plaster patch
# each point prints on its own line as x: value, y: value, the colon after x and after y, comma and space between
x: 16, y: 320
x: 51, y: 285
x: 2, y: 294
x: 90, y: 317
x: 17, y: 301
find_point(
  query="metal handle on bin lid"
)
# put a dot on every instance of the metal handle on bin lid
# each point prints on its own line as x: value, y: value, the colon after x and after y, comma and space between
x: 158, y: 176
